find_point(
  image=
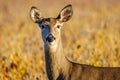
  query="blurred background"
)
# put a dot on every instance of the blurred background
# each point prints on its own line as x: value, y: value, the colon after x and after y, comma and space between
x: 92, y: 36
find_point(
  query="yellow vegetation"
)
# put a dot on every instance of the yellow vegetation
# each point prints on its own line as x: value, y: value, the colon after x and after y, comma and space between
x: 92, y: 36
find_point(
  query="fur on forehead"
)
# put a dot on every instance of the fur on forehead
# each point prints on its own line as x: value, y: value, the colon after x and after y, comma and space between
x: 48, y: 20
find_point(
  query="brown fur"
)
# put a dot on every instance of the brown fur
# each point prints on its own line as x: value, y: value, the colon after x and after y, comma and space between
x: 58, y: 67
x: 74, y: 71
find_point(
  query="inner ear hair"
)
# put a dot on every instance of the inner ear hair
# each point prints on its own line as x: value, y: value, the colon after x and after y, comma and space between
x: 66, y: 13
x: 35, y: 14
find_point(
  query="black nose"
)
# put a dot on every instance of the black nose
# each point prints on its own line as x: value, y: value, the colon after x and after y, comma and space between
x: 50, y: 38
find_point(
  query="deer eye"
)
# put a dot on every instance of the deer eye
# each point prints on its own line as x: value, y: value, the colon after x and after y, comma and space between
x: 42, y: 26
x: 58, y: 26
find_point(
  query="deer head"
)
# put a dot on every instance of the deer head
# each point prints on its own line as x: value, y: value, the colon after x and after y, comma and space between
x: 51, y: 27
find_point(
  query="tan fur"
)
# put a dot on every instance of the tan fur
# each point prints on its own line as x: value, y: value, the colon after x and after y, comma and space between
x: 58, y: 67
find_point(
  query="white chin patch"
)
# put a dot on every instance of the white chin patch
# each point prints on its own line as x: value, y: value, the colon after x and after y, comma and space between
x: 51, y: 43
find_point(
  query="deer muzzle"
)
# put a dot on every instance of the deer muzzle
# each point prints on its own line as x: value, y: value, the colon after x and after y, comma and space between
x: 50, y: 38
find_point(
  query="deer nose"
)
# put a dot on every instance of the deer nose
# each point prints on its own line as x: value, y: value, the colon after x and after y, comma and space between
x: 50, y: 38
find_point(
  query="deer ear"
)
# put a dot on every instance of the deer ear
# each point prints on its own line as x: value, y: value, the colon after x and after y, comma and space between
x: 35, y: 14
x: 66, y: 13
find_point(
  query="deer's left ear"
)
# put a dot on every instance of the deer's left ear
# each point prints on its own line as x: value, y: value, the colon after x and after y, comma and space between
x: 35, y: 14
x: 65, y: 14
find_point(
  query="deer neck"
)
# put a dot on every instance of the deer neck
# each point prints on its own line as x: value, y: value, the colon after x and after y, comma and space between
x: 56, y: 63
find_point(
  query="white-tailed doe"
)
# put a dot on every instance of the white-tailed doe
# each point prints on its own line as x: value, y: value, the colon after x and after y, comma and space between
x: 57, y: 66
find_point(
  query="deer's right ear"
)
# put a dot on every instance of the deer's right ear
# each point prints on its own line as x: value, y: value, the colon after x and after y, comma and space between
x: 35, y: 14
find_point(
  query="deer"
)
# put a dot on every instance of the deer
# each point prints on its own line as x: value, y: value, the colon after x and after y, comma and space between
x: 58, y: 67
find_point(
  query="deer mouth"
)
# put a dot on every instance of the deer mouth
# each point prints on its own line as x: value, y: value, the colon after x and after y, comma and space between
x: 51, y: 43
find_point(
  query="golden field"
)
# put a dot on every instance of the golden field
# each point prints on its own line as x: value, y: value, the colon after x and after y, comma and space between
x: 92, y: 36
